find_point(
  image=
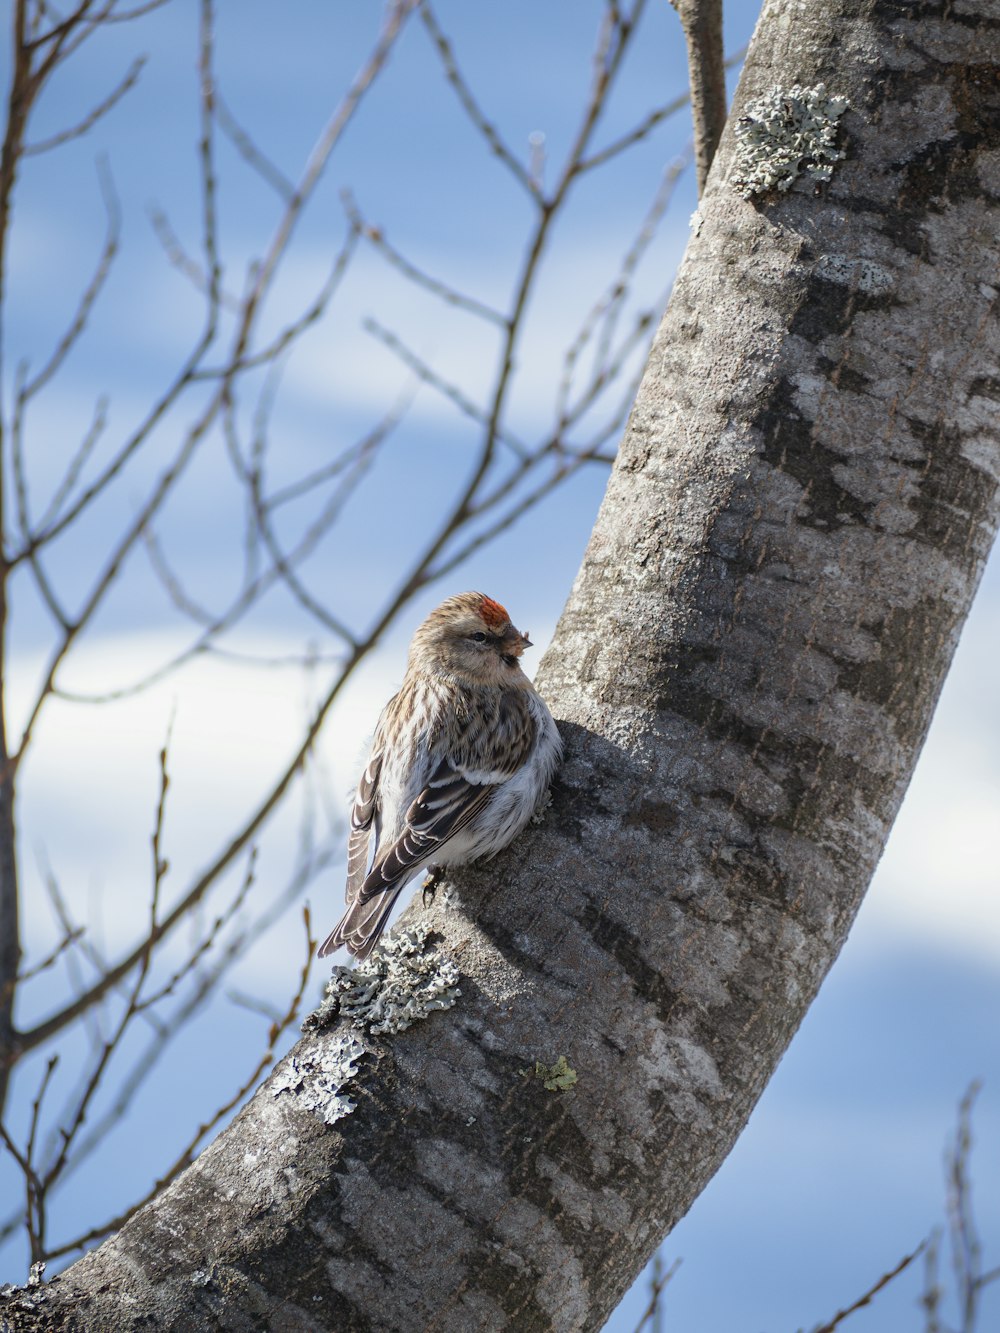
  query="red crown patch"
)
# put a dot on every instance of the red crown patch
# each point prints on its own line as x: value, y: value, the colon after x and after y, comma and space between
x: 493, y: 613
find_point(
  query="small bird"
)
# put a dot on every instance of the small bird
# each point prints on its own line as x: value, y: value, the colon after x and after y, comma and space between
x: 461, y: 759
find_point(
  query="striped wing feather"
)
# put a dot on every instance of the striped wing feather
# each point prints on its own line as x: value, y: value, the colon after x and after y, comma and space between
x: 363, y: 816
x: 444, y: 807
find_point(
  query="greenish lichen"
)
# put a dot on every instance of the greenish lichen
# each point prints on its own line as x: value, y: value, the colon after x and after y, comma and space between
x: 785, y: 134
x: 554, y: 1078
x: 403, y: 981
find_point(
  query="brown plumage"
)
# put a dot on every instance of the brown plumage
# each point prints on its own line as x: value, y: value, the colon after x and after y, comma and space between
x: 461, y: 758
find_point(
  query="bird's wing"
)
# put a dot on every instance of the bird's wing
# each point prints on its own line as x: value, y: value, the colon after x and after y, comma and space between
x: 451, y: 798
x: 363, y: 816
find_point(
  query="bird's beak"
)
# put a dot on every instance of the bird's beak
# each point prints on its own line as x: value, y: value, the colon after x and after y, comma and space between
x: 515, y: 642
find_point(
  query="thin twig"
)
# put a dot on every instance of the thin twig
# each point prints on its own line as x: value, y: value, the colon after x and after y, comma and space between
x: 376, y: 237
x: 93, y: 290
x: 485, y: 127
x: 649, y: 122
x: 251, y: 152
x: 186, y: 1157
x: 657, y: 1286
x: 207, y: 943
x: 179, y: 258
x: 53, y: 957
x: 872, y: 1291
x: 430, y: 377
x: 207, y: 985
x: 90, y: 120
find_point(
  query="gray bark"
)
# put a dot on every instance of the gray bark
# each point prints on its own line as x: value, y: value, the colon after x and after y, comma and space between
x: 744, y: 674
x: 702, y: 24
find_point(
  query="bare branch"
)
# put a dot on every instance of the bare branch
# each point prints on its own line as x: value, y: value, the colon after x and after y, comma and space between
x: 431, y: 378
x: 206, y: 985
x: 277, y: 1029
x: 649, y: 122
x: 377, y: 239
x: 702, y: 24
x: 47, y: 1028
x: 108, y: 1048
x: 570, y: 464
x: 966, y: 1246
x: 657, y: 1285
x: 52, y: 957
x: 182, y: 261
x: 93, y: 290
x: 293, y: 330
x: 90, y: 120
x: 872, y: 1291
x: 605, y: 311
x: 62, y: 29
x: 207, y: 943
x: 174, y: 589
x: 283, y: 567
x: 138, y: 12
x: 485, y: 127
x: 86, y: 949
x: 34, y: 1206
x: 76, y: 464
x: 250, y: 152
x: 930, y: 1298
x: 397, y: 14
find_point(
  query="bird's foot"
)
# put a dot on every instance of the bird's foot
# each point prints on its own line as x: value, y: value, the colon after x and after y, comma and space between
x: 430, y: 885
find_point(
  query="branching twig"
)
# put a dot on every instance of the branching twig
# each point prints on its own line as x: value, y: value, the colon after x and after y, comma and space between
x: 485, y: 127
x: 657, y: 1284
x: 53, y: 957
x: 649, y: 122
x: 277, y: 1029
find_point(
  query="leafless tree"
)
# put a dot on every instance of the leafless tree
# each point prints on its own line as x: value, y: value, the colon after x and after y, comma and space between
x: 125, y: 1011
x: 793, y: 531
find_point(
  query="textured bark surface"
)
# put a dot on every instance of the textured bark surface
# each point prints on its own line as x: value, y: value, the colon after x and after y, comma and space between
x: 745, y: 672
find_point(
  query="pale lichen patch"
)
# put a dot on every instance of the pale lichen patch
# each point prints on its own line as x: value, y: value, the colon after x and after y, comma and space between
x: 403, y: 981
x: 318, y: 1077
x: 785, y: 134
x: 27, y: 1298
x: 860, y: 274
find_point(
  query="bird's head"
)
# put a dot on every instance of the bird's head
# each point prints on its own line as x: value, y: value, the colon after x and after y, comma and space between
x: 470, y: 636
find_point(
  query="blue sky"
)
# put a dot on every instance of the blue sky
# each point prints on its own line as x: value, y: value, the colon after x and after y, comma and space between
x: 839, y: 1171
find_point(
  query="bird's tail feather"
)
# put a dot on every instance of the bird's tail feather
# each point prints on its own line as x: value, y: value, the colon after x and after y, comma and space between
x: 361, y: 925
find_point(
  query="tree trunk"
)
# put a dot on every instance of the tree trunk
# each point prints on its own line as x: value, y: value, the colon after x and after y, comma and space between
x: 744, y: 674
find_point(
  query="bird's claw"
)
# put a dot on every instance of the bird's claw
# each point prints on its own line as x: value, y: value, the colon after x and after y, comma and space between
x: 430, y: 885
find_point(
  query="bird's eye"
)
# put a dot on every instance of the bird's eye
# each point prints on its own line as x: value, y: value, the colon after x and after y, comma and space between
x: 479, y: 636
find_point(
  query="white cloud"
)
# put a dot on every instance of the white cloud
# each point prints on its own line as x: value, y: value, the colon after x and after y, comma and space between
x: 939, y: 879
x: 89, y: 787
x: 90, y: 783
